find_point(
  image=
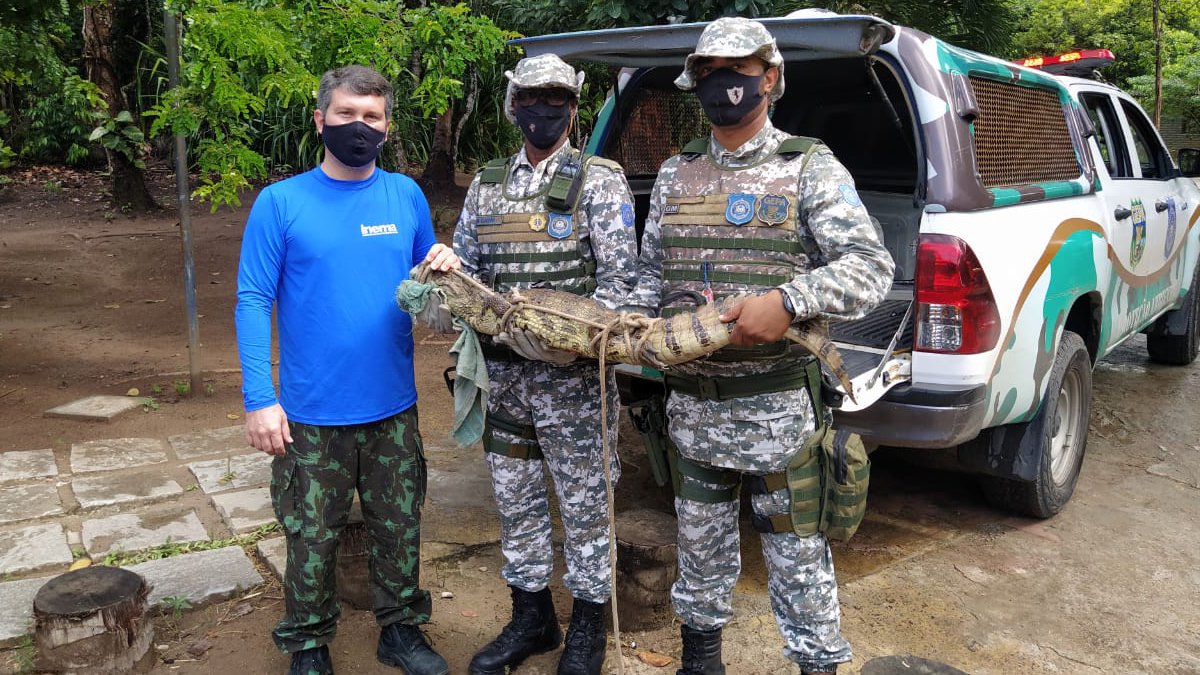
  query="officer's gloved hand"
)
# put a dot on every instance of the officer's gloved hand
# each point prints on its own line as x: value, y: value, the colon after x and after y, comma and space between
x: 436, y: 316
x: 531, y: 347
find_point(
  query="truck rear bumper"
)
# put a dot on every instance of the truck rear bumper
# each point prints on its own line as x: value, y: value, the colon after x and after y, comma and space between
x: 931, y: 416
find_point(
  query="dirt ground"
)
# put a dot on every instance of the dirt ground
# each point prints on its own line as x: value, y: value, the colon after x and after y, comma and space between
x: 91, y: 301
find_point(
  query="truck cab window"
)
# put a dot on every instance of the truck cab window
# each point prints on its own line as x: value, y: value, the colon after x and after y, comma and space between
x: 1150, y: 152
x: 1108, y: 134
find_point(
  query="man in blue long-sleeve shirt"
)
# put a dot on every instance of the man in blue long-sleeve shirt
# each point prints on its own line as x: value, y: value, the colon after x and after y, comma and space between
x: 326, y: 250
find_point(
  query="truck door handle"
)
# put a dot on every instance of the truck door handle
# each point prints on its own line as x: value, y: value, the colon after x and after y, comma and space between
x: 1160, y: 206
x: 1121, y: 213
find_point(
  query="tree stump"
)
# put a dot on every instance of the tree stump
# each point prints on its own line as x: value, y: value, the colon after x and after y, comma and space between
x: 646, y: 568
x: 353, y: 571
x: 93, y: 621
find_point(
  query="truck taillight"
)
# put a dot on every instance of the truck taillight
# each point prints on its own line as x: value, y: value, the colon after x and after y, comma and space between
x: 956, y: 312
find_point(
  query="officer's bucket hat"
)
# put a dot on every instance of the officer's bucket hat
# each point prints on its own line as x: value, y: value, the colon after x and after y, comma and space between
x: 733, y: 37
x: 540, y: 72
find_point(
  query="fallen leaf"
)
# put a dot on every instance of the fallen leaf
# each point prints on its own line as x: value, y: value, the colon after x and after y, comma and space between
x: 470, y: 613
x: 133, y: 391
x: 153, y: 302
x: 80, y: 564
x: 232, y: 416
x: 654, y: 658
x: 112, y: 306
x: 241, y: 610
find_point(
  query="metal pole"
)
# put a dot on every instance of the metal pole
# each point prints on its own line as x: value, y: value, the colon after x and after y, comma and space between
x: 171, y: 28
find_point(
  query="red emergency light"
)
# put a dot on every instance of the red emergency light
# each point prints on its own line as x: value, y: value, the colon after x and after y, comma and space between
x: 1079, y: 63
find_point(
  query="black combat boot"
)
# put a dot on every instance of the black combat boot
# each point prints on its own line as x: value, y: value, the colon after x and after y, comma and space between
x: 533, y: 630
x: 313, y: 661
x: 405, y: 646
x: 701, y: 652
x: 587, y: 638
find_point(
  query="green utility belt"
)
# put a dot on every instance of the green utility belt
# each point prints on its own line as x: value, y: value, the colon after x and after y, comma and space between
x: 795, y: 376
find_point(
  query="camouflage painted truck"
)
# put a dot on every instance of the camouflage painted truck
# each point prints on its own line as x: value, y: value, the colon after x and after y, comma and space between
x: 1037, y: 221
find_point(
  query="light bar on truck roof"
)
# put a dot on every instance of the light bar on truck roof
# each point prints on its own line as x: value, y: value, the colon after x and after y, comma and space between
x: 1078, y: 64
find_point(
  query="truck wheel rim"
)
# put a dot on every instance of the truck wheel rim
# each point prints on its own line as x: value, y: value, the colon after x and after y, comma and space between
x: 1067, y: 429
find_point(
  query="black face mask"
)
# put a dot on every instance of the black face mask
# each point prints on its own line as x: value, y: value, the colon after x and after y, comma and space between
x: 543, y: 124
x: 727, y: 96
x: 355, y: 144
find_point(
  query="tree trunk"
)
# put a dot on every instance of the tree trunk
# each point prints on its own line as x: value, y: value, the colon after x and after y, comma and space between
x: 129, y: 191
x: 1157, y: 64
x: 646, y: 567
x: 439, y: 172
x: 93, y: 620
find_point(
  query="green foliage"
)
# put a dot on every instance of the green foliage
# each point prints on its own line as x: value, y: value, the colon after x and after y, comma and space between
x: 7, y: 154
x: 1126, y: 28
x: 176, y: 604
x: 251, y: 70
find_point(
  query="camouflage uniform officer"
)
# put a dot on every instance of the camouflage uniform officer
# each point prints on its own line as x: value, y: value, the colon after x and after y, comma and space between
x: 752, y: 209
x: 549, y: 217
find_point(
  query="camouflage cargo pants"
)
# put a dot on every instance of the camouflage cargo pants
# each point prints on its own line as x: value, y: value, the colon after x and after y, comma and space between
x: 753, y: 435
x: 563, y: 405
x: 312, y: 488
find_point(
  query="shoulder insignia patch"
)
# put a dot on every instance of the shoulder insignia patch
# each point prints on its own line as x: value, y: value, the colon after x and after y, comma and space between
x: 849, y: 195
x: 627, y: 214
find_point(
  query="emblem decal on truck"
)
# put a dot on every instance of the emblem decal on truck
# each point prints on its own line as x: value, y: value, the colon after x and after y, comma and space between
x: 1172, y: 220
x: 1137, y: 243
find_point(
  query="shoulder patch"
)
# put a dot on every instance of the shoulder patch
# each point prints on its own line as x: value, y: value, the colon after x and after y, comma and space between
x: 849, y: 194
x: 627, y: 214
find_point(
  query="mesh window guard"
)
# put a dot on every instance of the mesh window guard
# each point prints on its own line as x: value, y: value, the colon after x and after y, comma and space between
x: 643, y: 145
x: 1021, y: 135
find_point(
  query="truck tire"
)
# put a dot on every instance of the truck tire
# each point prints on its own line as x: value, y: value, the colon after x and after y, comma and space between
x: 1062, y: 426
x: 1178, y: 350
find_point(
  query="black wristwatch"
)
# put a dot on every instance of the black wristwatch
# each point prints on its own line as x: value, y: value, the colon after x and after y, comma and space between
x: 787, y: 304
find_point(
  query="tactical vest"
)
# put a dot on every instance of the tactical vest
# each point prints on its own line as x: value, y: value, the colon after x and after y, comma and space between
x: 533, y: 240
x: 730, y: 231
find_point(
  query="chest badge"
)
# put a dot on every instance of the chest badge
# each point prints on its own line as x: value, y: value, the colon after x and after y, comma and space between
x: 773, y: 209
x: 739, y: 209
x: 560, y: 226
x: 537, y: 222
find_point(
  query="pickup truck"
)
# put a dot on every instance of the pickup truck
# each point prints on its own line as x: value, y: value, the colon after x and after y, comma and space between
x: 1037, y: 221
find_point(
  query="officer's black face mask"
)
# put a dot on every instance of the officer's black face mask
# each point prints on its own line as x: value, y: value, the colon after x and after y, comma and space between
x: 355, y: 144
x: 543, y: 124
x: 727, y: 96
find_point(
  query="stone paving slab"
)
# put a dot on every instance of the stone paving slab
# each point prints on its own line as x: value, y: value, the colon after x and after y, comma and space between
x: 273, y: 551
x: 96, y: 408
x: 33, y: 547
x: 239, y: 471
x: 201, y: 577
x: 209, y: 442
x: 245, y: 510
x: 26, y: 502
x: 116, y: 453
x: 137, y: 531
x: 106, y: 489
x: 26, y: 464
x: 16, y: 612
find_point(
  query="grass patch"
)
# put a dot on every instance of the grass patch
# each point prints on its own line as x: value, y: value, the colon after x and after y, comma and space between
x: 171, y: 549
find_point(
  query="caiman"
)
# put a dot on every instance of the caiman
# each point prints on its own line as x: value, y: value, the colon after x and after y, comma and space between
x: 578, y: 324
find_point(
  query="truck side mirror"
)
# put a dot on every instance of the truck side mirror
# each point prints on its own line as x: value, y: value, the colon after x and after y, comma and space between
x: 1189, y: 162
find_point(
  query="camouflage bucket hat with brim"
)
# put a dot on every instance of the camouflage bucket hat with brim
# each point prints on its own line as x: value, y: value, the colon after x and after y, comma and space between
x: 540, y: 72
x: 732, y: 37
